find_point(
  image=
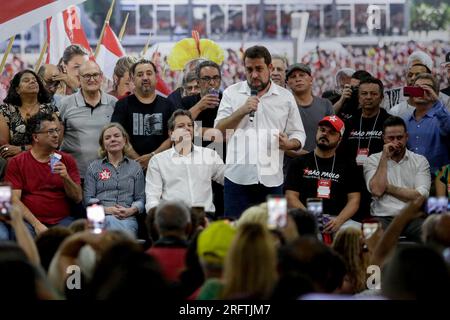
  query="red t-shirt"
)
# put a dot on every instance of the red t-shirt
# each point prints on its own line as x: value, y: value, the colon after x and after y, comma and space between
x: 42, y: 191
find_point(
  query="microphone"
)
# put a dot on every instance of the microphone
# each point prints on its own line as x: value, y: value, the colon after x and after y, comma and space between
x: 253, y: 93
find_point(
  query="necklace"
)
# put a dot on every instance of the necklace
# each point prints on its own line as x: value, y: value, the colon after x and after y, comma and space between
x: 30, y: 111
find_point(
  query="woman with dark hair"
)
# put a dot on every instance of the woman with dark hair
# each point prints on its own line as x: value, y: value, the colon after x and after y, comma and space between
x: 26, y: 97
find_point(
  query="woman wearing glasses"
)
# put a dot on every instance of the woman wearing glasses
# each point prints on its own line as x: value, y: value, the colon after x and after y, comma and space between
x: 26, y: 97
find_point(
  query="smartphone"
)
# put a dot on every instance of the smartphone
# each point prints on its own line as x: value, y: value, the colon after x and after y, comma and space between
x: 314, y: 206
x: 369, y: 227
x: 5, y: 200
x: 96, y: 218
x: 277, y: 207
x: 436, y: 205
x: 413, y: 92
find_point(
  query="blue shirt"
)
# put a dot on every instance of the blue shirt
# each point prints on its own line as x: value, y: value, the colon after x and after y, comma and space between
x: 429, y: 135
x: 123, y: 185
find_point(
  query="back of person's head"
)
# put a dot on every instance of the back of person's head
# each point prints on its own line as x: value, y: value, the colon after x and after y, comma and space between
x: 305, y: 222
x: 125, y: 272
x: 361, y: 74
x: 348, y: 243
x: 173, y: 217
x: 198, y: 220
x: 436, y: 230
x: 415, y: 272
x: 309, y: 257
x: 78, y: 225
x: 250, y: 265
x: 48, y: 243
x: 419, y: 57
x: 256, y: 214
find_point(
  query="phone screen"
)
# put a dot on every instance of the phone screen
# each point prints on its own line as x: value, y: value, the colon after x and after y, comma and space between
x: 315, y: 206
x: 5, y: 200
x: 369, y: 228
x: 96, y: 218
x: 413, y: 92
x: 277, y: 207
x: 436, y: 205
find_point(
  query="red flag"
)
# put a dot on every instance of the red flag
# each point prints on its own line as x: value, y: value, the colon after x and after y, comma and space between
x: 110, y: 51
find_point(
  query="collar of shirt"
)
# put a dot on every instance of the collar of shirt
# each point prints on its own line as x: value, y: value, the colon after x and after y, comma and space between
x: 125, y: 158
x: 273, y: 90
x: 174, y: 152
x: 430, y: 113
x: 79, y: 98
x: 405, y: 157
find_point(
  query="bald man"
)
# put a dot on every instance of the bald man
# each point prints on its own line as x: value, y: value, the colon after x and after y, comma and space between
x: 84, y: 114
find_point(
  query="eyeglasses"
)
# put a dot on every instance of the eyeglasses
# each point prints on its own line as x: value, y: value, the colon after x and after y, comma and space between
x: 51, y: 132
x: 208, y: 79
x: 94, y: 76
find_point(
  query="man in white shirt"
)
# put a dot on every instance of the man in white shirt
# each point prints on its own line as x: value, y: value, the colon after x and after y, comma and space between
x: 260, y: 120
x: 396, y: 176
x: 183, y: 172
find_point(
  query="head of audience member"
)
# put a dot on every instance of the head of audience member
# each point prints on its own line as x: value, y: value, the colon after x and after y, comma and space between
x: 250, y: 265
x: 329, y: 133
x: 415, y: 272
x: 209, y: 77
x: 48, y: 72
x: 436, y: 231
x: 143, y: 74
x: 126, y: 272
x: 310, y: 258
x: 354, y: 84
x: 191, y: 87
x: 305, y: 222
x: 114, y: 139
x: 420, y: 57
x: 255, y: 214
x: 343, y: 77
x: 26, y: 86
x: 299, y: 79
x: 173, y: 219
x: 48, y: 243
x: 122, y: 84
x: 213, y: 244
x: 280, y: 65
x: 349, y: 244
x: 78, y: 225
x: 371, y: 93
x: 413, y: 71
x: 395, y: 132
x: 73, y: 57
x: 181, y: 128
x: 431, y: 90
x: 258, y: 67
x: 43, y: 128
x: 198, y: 220
x: 90, y: 77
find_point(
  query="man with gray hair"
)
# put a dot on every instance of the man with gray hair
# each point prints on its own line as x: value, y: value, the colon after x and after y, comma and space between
x: 278, y: 74
x: 173, y: 222
x: 190, y: 84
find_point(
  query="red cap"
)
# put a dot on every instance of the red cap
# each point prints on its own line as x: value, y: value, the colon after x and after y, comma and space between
x: 335, y: 122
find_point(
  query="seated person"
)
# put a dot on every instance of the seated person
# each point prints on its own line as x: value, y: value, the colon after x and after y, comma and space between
x: 116, y: 181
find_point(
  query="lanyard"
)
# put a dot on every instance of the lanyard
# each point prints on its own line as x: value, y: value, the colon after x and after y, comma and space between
x: 317, y: 166
x: 360, y: 127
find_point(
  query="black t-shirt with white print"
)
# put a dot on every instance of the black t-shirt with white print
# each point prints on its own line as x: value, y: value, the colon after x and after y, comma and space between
x: 303, y: 177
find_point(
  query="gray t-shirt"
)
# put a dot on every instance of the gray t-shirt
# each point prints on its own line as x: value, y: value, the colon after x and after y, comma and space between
x: 311, y: 115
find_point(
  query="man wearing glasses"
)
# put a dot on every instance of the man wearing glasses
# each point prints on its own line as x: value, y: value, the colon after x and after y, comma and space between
x: 84, y: 114
x: 41, y: 186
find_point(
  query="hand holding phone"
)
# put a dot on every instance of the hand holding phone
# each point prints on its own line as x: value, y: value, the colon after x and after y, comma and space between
x: 277, y: 209
x: 413, y: 91
x: 5, y: 201
x: 96, y: 218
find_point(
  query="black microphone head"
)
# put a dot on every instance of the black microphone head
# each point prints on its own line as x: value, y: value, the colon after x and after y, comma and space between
x: 253, y: 92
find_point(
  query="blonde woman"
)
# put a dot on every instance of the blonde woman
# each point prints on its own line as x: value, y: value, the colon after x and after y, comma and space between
x: 116, y: 181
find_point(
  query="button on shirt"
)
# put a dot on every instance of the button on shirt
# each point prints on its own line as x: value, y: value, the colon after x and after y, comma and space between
x: 253, y: 153
x: 123, y: 185
x: 174, y: 177
x: 429, y: 136
x: 411, y: 172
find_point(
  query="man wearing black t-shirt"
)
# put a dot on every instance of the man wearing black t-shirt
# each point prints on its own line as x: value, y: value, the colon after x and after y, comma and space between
x: 144, y: 114
x: 323, y: 174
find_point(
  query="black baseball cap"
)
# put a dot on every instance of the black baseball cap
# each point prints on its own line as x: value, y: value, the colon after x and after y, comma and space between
x: 297, y: 66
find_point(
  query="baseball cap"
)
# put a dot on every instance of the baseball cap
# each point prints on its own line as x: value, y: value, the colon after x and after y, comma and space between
x: 335, y: 122
x: 447, y: 60
x: 297, y: 66
x: 213, y: 242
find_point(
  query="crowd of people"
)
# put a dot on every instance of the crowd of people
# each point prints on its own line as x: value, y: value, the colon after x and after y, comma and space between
x: 123, y: 191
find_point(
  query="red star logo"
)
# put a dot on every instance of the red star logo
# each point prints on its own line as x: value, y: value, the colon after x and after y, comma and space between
x: 105, y: 174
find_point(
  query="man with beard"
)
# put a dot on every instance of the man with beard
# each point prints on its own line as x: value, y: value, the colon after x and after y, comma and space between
x: 261, y: 120
x: 396, y: 176
x: 323, y: 174
x: 144, y: 114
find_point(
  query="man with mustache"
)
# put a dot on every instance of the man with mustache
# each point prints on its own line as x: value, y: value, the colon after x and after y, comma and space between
x: 396, y: 176
x: 323, y: 174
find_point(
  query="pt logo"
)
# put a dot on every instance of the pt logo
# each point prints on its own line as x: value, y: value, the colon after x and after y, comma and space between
x: 374, y: 17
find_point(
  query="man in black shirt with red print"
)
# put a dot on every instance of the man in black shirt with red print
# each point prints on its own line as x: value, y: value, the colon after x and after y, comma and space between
x: 323, y: 174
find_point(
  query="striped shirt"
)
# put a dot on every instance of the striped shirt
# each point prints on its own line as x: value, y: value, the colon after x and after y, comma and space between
x: 124, y: 185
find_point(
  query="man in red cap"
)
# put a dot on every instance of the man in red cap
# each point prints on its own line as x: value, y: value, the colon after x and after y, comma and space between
x: 325, y: 175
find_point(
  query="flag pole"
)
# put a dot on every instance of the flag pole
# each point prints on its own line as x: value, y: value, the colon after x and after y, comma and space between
x: 8, y: 50
x: 41, y: 56
x: 144, y: 51
x: 108, y: 17
x: 122, y: 30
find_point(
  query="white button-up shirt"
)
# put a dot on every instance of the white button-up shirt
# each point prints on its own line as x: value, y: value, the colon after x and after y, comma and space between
x: 174, y: 177
x: 412, y: 172
x: 253, y: 153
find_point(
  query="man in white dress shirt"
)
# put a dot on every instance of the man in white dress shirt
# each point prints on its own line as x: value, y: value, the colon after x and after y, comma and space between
x: 260, y: 120
x: 183, y: 172
x: 396, y: 176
